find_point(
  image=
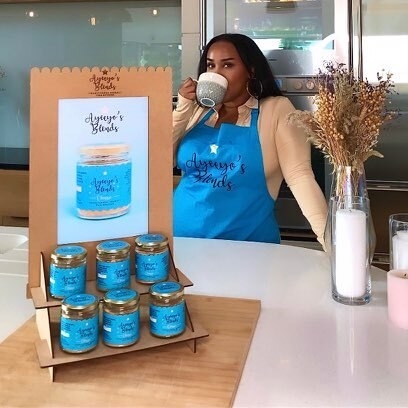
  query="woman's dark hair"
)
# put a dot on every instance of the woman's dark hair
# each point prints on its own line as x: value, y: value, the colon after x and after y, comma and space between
x: 253, y: 59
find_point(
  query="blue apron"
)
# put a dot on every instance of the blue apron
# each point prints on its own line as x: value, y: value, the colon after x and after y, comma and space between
x: 223, y: 192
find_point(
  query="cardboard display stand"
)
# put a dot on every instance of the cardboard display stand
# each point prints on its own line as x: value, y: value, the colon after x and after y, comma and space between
x: 74, y: 107
x: 47, y: 88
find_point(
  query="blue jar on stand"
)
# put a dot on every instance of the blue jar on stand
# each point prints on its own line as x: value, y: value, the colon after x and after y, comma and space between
x: 121, y: 318
x: 79, y: 325
x: 112, y: 265
x: 152, y: 258
x: 167, y: 309
x: 67, y: 271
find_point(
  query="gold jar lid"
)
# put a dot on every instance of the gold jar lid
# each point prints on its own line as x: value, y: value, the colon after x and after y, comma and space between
x: 80, y: 304
x: 167, y: 291
x: 113, y: 248
x: 121, y: 299
x: 68, y: 254
x: 151, y: 242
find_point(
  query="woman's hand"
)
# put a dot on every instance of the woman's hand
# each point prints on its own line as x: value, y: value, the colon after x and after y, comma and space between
x: 188, y: 89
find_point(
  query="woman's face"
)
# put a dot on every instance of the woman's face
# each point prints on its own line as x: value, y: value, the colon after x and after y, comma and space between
x: 223, y: 58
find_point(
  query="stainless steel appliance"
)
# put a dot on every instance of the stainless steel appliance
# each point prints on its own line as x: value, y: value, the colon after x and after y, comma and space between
x: 379, y: 36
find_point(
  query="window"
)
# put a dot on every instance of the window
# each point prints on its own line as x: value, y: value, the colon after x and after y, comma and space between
x: 97, y: 33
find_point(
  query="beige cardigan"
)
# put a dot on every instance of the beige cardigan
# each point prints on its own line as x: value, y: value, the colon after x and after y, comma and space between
x: 286, y: 153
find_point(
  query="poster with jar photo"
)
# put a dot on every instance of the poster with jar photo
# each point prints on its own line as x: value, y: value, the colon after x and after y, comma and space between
x: 102, y: 168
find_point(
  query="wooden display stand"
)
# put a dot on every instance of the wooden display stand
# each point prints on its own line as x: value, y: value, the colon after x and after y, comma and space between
x: 48, y: 88
x: 48, y: 317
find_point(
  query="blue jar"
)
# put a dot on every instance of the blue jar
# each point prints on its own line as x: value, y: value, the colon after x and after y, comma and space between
x: 167, y: 309
x: 79, y: 326
x: 67, y: 271
x: 112, y: 265
x: 152, y: 258
x: 121, y: 318
x: 104, y: 174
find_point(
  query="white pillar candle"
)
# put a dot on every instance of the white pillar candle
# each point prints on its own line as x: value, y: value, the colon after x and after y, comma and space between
x: 351, y: 253
x: 400, y: 250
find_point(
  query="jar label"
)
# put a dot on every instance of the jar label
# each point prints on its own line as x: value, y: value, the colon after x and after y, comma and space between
x: 81, y: 300
x: 166, y: 287
x: 151, y: 238
x: 70, y: 250
x: 121, y: 330
x: 67, y: 281
x: 113, y: 246
x: 113, y: 275
x: 122, y: 295
x: 103, y: 187
x: 79, y: 335
x: 152, y: 267
x: 167, y: 321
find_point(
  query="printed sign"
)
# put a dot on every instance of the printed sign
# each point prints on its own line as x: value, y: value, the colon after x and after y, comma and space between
x: 102, y: 168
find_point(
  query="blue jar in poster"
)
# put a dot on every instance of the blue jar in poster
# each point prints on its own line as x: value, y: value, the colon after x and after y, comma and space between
x: 103, y: 175
x: 79, y: 325
x: 152, y: 258
x: 167, y: 309
x: 67, y: 271
x: 112, y: 265
x: 121, y: 318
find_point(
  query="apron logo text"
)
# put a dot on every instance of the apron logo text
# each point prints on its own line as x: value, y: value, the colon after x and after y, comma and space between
x: 204, y: 170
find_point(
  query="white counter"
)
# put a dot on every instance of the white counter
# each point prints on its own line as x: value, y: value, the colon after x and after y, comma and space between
x: 15, y: 308
x: 308, y: 350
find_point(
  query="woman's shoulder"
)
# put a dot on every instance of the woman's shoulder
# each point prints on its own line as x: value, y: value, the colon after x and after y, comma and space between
x: 275, y: 108
x: 277, y: 102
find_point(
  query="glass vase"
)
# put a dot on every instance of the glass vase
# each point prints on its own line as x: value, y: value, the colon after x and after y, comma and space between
x: 398, y: 232
x: 350, y: 249
x: 350, y: 181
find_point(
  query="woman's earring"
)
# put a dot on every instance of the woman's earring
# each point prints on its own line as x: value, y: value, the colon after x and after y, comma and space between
x: 254, y: 87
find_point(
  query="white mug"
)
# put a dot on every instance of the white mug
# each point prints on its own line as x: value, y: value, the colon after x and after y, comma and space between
x: 211, y: 89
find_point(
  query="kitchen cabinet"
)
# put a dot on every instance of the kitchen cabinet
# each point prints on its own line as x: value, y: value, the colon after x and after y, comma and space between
x: 14, y: 197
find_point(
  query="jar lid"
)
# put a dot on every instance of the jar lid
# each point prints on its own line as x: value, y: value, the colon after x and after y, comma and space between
x: 81, y: 302
x: 151, y: 241
x: 104, y: 149
x: 113, y: 247
x: 120, y: 297
x: 167, y: 289
x: 69, y: 252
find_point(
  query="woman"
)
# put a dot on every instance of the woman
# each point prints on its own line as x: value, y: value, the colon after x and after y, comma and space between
x: 234, y: 156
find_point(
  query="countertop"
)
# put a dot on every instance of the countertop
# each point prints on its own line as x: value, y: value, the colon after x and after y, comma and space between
x: 307, y: 350
x: 13, y: 284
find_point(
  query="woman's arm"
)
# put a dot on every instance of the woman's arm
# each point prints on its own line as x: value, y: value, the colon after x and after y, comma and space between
x: 294, y: 159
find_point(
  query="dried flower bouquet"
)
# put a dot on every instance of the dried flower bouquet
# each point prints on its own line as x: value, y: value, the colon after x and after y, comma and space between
x: 348, y: 117
x: 345, y: 126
